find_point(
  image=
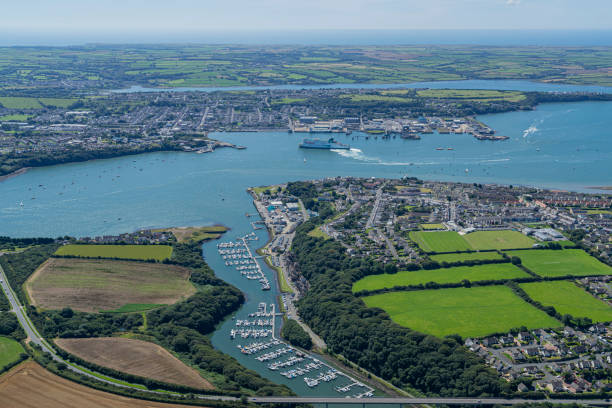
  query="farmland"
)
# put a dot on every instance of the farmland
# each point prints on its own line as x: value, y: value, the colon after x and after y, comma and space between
x: 92, y: 285
x: 16, y: 102
x: 30, y: 385
x: 439, y: 241
x: 551, y: 263
x: 567, y: 298
x: 505, y: 239
x: 135, y: 357
x: 443, y: 275
x: 475, y: 95
x: 9, y: 351
x: 471, y: 256
x: 477, y: 311
x: 206, y: 65
x: 144, y: 252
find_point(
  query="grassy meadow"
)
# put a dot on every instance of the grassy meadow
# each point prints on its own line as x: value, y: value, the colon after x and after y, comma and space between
x: 551, y: 263
x: 439, y: 241
x: 505, y: 239
x: 468, y: 256
x: 10, y: 350
x: 443, y: 275
x: 567, y: 298
x: 477, y: 311
x: 144, y: 252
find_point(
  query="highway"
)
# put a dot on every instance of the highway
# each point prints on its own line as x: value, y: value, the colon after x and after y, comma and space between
x: 412, y: 401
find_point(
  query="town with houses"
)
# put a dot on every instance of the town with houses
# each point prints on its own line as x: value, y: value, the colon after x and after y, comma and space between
x: 373, y: 219
x: 139, y: 122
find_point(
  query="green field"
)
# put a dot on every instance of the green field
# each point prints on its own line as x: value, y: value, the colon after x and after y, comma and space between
x: 443, y: 275
x: 550, y: 262
x: 135, y: 307
x: 505, y: 239
x: 474, y: 95
x: 432, y: 226
x: 471, y: 256
x: 144, y: 252
x: 439, y: 241
x: 477, y: 311
x: 16, y: 117
x: 9, y: 351
x: 318, y: 233
x: 567, y: 298
x: 16, y: 102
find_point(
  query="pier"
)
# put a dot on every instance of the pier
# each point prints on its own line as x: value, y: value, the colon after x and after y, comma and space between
x: 239, y: 255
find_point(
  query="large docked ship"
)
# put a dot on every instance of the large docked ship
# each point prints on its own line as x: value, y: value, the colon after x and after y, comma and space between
x: 323, y: 144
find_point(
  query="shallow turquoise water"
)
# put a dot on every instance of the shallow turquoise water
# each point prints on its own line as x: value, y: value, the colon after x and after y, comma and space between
x: 558, y: 145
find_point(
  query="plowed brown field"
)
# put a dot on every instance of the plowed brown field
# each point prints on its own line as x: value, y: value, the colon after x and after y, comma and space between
x: 135, y: 357
x: 30, y: 386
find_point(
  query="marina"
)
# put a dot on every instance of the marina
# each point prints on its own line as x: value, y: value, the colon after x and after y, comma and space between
x: 279, y: 357
x: 238, y: 255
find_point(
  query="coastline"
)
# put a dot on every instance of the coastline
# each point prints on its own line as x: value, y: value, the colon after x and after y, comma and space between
x: 14, y: 174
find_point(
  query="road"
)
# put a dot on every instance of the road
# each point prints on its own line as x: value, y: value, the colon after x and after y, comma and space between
x: 403, y: 400
x: 375, y: 208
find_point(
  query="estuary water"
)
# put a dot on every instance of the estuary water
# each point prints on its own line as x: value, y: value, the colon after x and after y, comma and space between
x: 510, y: 85
x: 566, y: 146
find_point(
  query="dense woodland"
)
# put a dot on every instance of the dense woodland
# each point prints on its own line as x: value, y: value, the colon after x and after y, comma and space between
x: 369, y: 338
x: 295, y: 335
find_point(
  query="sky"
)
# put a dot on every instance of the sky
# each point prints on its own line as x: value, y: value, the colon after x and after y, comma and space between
x: 173, y: 16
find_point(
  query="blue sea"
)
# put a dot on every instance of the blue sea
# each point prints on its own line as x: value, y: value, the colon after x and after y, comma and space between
x: 572, y: 38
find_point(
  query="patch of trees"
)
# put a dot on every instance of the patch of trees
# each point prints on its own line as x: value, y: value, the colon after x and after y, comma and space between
x: 12, y: 243
x: 19, y: 266
x: 296, y: 335
x: 9, y: 326
x: 577, y: 235
x: 67, y: 323
x: 190, y: 255
x: 302, y: 190
x: 4, y: 303
x: 370, y: 339
x: 72, y: 154
x: 183, y: 328
x: 112, y: 258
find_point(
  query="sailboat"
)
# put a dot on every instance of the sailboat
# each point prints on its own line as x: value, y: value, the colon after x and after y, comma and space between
x: 304, y: 160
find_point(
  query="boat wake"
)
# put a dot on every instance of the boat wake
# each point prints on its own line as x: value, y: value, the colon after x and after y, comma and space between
x: 357, y: 154
x: 354, y: 153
